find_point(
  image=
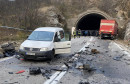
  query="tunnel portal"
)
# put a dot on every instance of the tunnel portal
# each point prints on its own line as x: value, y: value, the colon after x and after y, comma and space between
x: 90, y: 22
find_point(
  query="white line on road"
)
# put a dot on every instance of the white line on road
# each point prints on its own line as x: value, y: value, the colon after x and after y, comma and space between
x: 122, y: 49
x: 55, y: 78
x: 5, y: 59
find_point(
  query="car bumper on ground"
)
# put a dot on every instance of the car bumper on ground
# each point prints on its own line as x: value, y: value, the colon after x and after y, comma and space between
x: 37, y: 55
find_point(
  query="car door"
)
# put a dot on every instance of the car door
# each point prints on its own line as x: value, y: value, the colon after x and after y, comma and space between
x: 61, y: 44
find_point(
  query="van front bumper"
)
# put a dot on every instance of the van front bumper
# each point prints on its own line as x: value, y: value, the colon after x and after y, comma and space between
x: 36, y: 55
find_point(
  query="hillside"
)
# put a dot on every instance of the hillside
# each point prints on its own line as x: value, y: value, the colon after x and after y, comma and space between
x: 27, y: 14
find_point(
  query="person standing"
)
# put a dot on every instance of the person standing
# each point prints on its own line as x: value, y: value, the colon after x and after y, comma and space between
x: 97, y: 33
x: 74, y: 33
x: 86, y: 33
x: 79, y: 33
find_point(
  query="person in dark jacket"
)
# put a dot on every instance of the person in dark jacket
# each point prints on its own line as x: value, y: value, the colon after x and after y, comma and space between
x: 86, y: 33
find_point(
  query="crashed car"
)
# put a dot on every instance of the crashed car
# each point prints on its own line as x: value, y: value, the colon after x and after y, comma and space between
x: 45, y: 42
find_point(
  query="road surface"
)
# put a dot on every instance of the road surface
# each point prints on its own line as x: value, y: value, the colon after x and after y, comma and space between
x: 109, y: 68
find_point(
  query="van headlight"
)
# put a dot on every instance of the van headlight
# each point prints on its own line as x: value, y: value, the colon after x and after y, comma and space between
x: 43, y: 49
x: 21, y: 48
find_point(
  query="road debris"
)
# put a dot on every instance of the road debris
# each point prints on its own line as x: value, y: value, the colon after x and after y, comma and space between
x: 66, y: 65
x: 60, y: 69
x: 10, y: 72
x: 80, y: 52
x: 27, y: 77
x: 17, y: 56
x: 20, y: 71
x: 73, y: 59
x: 21, y: 59
x: 87, y: 47
x: 84, y: 82
x: 79, y: 65
x: 98, y: 46
x: 8, y: 49
x: 86, y: 66
x: 94, y: 51
x: 117, y: 58
x: 34, y: 70
x: 46, y: 73
x: 84, y: 42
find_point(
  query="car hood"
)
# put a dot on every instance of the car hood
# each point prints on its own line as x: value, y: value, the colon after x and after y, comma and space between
x: 36, y: 44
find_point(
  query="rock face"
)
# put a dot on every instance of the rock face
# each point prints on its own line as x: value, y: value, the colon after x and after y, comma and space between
x: 127, y: 34
x: 65, y: 13
x: 53, y: 17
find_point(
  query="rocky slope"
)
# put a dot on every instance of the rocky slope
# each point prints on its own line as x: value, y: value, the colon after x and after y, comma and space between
x: 127, y: 33
x: 52, y: 16
x: 69, y: 9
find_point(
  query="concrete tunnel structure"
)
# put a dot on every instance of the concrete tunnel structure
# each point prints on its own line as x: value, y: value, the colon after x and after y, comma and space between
x: 90, y: 20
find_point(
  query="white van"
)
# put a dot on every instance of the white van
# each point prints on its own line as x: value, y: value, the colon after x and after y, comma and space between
x: 45, y: 42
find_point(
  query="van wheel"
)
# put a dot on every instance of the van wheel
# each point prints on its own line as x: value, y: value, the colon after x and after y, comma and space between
x: 52, y: 55
x: 25, y: 59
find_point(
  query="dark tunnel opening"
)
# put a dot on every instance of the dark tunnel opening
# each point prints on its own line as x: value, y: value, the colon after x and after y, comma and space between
x: 90, y: 22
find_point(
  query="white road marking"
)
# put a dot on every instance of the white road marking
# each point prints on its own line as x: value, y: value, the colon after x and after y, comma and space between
x: 52, y: 77
x: 59, y: 77
x: 5, y: 59
x: 55, y: 78
x: 122, y: 49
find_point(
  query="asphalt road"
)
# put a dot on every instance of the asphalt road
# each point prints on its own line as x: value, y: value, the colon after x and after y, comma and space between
x: 14, y: 65
x: 111, y: 65
x: 109, y: 70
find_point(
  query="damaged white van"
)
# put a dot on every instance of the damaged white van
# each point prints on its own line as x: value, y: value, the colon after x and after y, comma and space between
x: 45, y: 42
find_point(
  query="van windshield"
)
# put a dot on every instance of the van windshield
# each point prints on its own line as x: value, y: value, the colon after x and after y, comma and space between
x: 41, y: 36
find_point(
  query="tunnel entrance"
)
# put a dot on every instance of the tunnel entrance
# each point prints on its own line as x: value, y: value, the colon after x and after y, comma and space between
x: 90, y: 23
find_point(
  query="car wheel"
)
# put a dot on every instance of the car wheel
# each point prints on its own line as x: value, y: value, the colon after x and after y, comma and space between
x: 25, y: 59
x: 52, y: 55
